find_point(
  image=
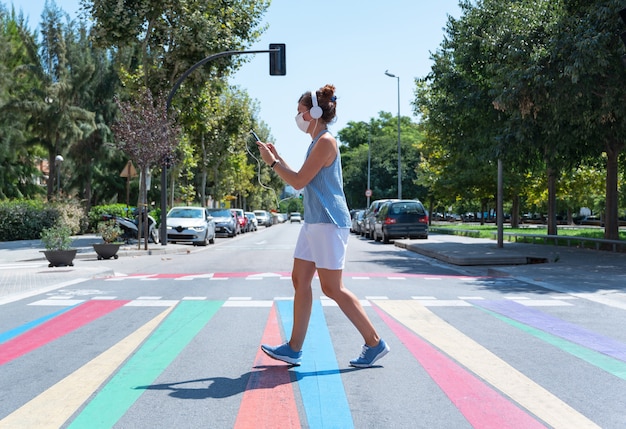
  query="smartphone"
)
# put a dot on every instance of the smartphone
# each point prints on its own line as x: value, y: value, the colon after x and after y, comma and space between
x: 255, y: 136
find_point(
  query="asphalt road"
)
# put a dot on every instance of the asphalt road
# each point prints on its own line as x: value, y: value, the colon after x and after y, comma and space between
x: 172, y: 341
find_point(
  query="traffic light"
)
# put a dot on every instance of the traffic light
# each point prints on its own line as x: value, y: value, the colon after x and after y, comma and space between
x: 278, y: 65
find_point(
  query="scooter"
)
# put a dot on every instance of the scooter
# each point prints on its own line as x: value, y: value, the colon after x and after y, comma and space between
x: 130, y: 228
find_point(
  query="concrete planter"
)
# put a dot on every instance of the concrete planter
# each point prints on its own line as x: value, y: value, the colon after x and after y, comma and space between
x: 107, y: 250
x: 60, y: 258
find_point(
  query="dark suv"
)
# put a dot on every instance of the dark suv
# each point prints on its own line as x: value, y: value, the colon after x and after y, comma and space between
x: 400, y: 219
x: 370, y: 217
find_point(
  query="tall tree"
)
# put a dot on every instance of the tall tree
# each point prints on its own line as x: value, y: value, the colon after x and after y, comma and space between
x: 588, y: 50
x: 172, y: 36
x: 18, y: 173
x: 96, y: 165
x: 381, y: 134
x: 147, y: 134
x: 54, y: 118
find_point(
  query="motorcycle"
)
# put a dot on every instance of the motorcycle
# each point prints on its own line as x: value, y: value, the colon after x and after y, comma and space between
x: 130, y: 227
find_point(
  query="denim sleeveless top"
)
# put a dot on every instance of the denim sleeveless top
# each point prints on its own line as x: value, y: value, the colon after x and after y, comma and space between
x: 324, y: 199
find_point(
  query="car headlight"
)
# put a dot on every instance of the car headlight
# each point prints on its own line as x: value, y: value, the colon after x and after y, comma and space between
x: 197, y: 228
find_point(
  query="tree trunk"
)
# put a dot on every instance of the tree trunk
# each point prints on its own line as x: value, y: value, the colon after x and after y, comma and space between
x: 515, y: 212
x: 431, y: 207
x: 611, y: 222
x: 87, y: 191
x: 143, y: 207
x: 552, y: 230
x: 216, y: 191
x: 172, y: 191
x: 483, y: 209
x: 52, y: 176
x: 570, y: 216
x: 203, y: 177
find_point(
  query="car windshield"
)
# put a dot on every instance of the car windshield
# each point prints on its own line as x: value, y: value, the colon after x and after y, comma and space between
x: 186, y: 213
x: 220, y: 213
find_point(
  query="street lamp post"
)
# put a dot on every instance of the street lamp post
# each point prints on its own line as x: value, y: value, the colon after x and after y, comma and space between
x: 57, y: 162
x: 399, y: 151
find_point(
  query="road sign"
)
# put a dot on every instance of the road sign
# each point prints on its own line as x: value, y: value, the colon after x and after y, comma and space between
x: 129, y: 170
x: 368, y: 193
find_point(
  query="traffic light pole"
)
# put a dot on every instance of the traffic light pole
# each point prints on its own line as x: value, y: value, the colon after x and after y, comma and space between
x: 277, y: 68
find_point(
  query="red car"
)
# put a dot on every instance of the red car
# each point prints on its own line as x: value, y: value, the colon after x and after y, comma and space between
x: 242, y: 219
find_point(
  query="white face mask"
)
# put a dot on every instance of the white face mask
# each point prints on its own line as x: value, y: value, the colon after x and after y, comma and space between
x: 302, y: 124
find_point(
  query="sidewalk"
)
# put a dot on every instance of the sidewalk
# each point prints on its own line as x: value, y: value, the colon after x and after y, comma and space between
x: 24, y: 269
x: 592, y: 274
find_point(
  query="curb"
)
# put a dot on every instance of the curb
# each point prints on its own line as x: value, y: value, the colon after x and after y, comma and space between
x: 451, y: 254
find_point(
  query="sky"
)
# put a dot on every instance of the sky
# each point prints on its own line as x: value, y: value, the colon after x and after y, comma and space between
x: 347, y: 43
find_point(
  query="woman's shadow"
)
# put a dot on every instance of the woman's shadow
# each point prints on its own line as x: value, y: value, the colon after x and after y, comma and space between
x: 265, y: 377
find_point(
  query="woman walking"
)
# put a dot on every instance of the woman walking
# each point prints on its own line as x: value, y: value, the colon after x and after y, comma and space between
x: 323, y: 238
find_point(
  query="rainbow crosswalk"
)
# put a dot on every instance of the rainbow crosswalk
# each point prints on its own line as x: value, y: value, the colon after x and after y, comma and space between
x: 484, y: 389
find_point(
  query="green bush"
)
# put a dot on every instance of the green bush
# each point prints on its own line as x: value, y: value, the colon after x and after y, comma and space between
x: 57, y: 237
x: 96, y: 212
x: 26, y: 219
x: 72, y: 214
x: 109, y: 230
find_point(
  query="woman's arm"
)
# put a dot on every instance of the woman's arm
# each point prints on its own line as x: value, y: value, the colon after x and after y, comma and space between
x: 322, y: 155
x: 277, y: 156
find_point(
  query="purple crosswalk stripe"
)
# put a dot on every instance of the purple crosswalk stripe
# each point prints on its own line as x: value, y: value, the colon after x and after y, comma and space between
x: 556, y: 326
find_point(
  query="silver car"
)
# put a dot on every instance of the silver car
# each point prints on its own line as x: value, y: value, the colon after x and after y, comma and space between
x: 193, y: 224
x: 295, y: 217
x: 263, y: 218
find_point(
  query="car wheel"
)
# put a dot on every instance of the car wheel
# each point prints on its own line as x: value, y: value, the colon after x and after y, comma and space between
x: 385, y: 237
x: 212, y: 239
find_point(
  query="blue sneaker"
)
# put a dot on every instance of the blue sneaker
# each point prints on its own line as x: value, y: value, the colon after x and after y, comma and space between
x: 369, y: 355
x: 283, y: 353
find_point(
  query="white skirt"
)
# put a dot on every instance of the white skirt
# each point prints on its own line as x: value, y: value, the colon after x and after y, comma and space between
x: 325, y: 244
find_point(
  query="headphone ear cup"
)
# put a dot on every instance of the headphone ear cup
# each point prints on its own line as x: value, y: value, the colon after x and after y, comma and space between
x: 316, y: 111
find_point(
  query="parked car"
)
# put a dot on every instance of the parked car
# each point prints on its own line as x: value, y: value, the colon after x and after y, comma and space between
x: 295, y: 217
x: 242, y: 219
x: 263, y: 218
x: 357, y: 221
x: 225, y: 222
x: 194, y: 224
x: 400, y: 219
x: 370, y: 217
x: 252, y: 221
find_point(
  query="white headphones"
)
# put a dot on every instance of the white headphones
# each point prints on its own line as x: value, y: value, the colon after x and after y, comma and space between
x: 316, y: 111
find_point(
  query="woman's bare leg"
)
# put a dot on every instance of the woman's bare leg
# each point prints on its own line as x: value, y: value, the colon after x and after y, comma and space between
x: 302, y: 277
x: 332, y: 286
